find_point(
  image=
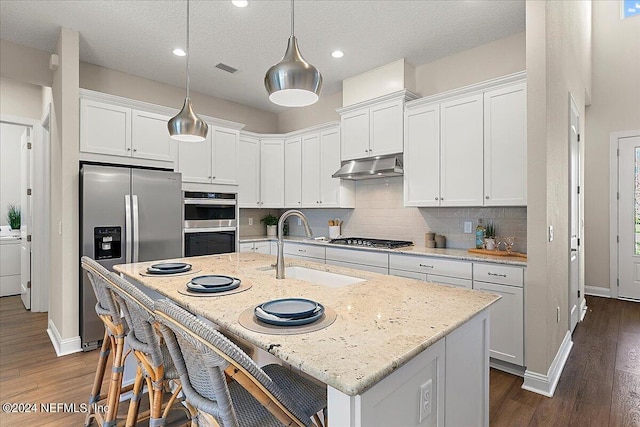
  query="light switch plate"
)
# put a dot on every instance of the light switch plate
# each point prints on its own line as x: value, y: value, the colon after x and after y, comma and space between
x: 467, y: 227
x: 250, y: 221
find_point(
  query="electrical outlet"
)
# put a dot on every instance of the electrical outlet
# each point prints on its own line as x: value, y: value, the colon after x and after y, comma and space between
x: 551, y: 233
x: 425, y: 400
x: 250, y: 221
x: 299, y: 221
x: 467, y: 227
x: 558, y: 315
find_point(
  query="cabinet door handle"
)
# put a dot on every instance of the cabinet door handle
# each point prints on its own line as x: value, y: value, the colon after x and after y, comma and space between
x: 302, y: 250
x: 486, y: 197
x: 496, y: 274
x: 213, y: 177
x: 427, y: 266
x: 135, y: 149
x: 437, y: 198
x: 128, y: 149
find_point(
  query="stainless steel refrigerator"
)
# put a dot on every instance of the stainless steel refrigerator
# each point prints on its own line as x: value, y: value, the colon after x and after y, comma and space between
x: 126, y: 215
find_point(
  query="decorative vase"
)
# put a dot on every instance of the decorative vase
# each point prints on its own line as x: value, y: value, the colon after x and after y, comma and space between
x: 490, y: 243
x: 272, y: 230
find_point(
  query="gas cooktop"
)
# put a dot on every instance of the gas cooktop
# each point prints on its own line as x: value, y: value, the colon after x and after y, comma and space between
x: 371, y: 243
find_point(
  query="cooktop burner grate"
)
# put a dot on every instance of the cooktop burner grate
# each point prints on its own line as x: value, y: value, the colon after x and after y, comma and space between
x: 371, y: 243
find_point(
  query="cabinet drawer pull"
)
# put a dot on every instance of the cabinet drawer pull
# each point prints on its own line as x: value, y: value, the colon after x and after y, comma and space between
x: 496, y: 274
x: 427, y: 266
x: 302, y: 250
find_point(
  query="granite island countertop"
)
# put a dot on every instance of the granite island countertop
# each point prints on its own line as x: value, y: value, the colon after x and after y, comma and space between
x: 381, y: 323
x: 459, y: 254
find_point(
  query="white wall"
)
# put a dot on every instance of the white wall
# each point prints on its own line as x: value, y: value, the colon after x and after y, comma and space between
x: 557, y: 39
x: 20, y: 99
x: 10, y: 167
x: 615, y: 106
x: 105, y: 80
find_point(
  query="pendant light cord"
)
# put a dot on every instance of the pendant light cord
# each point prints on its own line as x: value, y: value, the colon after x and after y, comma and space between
x: 188, y: 51
x: 292, y: 34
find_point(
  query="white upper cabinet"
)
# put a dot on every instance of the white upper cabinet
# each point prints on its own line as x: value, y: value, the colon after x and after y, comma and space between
x: 505, y: 146
x: 422, y: 156
x: 249, y: 179
x: 292, y: 172
x: 461, y: 152
x: 375, y: 127
x: 311, y: 196
x: 195, y: 160
x: 150, y: 136
x: 272, y: 173
x: 355, y: 134
x: 386, y: 128
x: 468, y: 150
x: 334, y: 192
x: 213, y: 160
x: 115, y: 130
x: 224, y: 149
x: 105, y: 128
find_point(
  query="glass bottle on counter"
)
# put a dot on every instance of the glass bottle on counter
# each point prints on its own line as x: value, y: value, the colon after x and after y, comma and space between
x: 480, y: 231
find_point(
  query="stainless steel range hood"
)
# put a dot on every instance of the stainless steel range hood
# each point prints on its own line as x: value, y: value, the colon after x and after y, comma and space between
x: 381, y: 167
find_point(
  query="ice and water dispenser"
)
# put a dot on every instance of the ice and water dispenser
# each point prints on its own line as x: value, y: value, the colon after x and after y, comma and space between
x: 107, y: 242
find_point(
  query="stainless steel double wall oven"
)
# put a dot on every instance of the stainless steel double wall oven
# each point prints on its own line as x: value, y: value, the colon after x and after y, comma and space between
x: 210, y: 223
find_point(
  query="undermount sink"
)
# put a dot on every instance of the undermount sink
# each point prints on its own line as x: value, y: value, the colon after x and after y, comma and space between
x: 318, y: 277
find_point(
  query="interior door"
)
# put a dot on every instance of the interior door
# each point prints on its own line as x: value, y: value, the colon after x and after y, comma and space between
x: 574, y: 195
x: 25, y: 218
x: 629, y: 217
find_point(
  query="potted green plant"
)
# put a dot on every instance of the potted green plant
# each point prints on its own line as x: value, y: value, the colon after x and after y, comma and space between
x: 13, y: 216
x: 490, y: 237
x: 271, y: 222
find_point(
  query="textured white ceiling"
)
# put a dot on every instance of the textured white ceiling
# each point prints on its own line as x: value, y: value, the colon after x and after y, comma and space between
x: 137, y: 36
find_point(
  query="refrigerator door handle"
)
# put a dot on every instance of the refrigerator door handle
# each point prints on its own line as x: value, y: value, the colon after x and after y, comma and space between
x: 127, y: 227
x: 136, y: 235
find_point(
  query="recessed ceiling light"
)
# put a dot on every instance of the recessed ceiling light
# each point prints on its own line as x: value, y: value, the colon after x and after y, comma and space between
x: 337, y: 54
x: 240, y: 3
x: 179, y: 52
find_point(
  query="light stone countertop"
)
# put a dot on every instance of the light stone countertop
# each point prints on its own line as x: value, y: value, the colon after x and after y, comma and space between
x: 381, y: 323
x: 459, y: 254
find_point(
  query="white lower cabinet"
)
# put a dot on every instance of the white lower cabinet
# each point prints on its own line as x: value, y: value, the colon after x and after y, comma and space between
x: 377, y: 262
x: 299, y: 250
x: 430, y: 269
x: 507, y: 315
x: 263, y: 247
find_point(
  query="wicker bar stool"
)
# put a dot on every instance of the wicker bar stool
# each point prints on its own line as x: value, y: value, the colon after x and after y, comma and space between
x: 155, y: 366
x: 114, y: 335
x: 226, y: 387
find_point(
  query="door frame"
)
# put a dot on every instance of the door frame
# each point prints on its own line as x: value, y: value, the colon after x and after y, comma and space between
x: 40, y: 209
x: 581, y: 304
x: 613, y: 206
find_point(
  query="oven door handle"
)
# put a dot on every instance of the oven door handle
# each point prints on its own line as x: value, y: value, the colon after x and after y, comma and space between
x: 219, y: 202
x: 209, y: 230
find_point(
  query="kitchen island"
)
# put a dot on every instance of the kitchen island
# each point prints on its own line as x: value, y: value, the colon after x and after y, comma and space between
x: 401, y: 352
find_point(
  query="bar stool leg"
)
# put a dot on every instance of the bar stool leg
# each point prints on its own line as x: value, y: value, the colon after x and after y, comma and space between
x: 116, y: 381
x: 134, y: 403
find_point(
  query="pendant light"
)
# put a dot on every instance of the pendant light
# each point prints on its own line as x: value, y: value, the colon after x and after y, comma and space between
x: 186, y: 125
x: 293, y: 82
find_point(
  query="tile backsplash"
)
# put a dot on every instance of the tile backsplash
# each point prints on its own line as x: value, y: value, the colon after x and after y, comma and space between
x: 379, y: 213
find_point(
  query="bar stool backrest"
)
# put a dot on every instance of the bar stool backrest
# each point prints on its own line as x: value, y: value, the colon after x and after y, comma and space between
x: 137, y: 308
x: 99, y: 276
x: 202, y: 354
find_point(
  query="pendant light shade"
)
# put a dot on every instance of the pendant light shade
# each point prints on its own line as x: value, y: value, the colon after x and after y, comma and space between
x: 293, y: 82
x: 186, y: 126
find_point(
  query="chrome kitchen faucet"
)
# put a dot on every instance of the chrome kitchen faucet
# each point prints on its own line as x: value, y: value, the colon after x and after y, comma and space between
x: 283, y: 218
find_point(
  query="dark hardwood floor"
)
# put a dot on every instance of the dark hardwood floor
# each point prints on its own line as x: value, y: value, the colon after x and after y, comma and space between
x: 600, y: 385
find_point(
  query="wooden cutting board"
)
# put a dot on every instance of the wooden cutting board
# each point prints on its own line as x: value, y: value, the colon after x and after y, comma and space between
x: 496, y: 253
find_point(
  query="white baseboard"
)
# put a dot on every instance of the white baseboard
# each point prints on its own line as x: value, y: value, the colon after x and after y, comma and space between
x: 597, y: 291
x: 63, y: 346
x: 583, y: 309
x: 546, y: 384
x: 507, y: 367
